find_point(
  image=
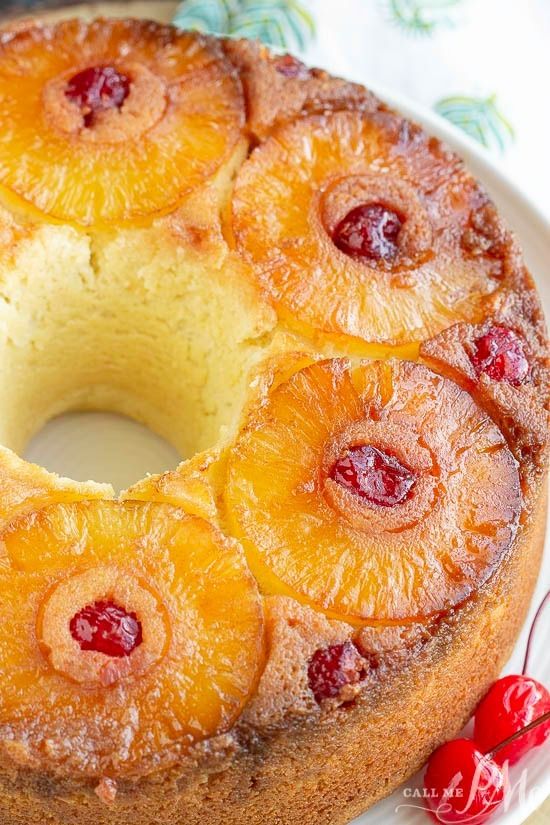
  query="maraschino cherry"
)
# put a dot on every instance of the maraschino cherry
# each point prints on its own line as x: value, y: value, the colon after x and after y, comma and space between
x: 374, y: 475
x: 332, y: 668
x: 104, y: 627
x: 500, y: 354
x: 510, y: 705
x: 463, y: 784
x: 97, y: 89
x: 369, y: 232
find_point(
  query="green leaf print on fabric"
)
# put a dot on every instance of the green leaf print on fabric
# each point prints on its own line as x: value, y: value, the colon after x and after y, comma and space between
x: 209, y: 16
x: 479, y: 117
x: 421, y: 16
x: 282, y: 24
x: 276, y: 22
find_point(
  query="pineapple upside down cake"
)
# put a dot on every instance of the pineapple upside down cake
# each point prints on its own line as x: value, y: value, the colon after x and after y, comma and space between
x: 322, y: 309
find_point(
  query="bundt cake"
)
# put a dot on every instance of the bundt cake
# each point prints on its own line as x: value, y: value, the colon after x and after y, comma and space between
x: 321, y: 308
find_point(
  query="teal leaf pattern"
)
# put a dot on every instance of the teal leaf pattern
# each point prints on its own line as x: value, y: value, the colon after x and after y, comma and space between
x: 421, y: 16
x: 279, y: 23
x: 479, y: 117
x: 211, y: 17
x: 282, y: 24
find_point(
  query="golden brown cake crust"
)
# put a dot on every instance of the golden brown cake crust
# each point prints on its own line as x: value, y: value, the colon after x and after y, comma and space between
x: 258, y: 777
x: 279, y: 88
x: 289, y: 758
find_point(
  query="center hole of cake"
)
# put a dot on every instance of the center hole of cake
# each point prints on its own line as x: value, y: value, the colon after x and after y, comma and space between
x: 369, y: 232
x: 102, y: 446
x: 374, y: 475
x: 97, y: 89
x: 105, y: 627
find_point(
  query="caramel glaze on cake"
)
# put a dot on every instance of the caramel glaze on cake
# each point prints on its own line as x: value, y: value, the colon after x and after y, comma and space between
x: 323, y: 311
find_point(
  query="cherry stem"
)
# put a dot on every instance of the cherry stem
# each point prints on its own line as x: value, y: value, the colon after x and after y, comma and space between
x: 519, y: 733
x: 531, y: 638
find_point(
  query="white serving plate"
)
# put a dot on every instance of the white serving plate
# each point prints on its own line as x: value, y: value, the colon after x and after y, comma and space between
x: 108, y: 448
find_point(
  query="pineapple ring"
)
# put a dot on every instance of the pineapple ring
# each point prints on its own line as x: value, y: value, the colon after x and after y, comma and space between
x: 181, y: 120
x: 199, y: 609
x: 294, y: 188
x: 354, y: 559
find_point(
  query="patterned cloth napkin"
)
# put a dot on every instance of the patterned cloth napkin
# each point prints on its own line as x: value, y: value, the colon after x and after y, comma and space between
x: 484, y: 65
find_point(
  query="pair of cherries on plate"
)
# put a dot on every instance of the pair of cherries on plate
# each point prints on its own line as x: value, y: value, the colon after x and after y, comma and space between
x: 466, y: 779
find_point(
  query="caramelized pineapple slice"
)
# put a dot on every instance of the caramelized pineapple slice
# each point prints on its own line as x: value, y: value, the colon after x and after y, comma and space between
x: 113, y: 120
x: 129, y: 632
x: 356, y: 225
x: 378, y: 493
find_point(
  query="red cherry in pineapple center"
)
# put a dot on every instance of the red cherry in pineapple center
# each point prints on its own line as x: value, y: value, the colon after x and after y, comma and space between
x: 500, y: 354
x: 510, y: 705
x: 463, y: 785
x: 97, y: 89
x: 104, y: 627
x: 332, y: 668
x: 369, y: 232
x: 374, y: 475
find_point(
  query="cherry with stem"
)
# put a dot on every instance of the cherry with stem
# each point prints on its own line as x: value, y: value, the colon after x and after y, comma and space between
x: 519, y: 733
x: 466, y: 784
